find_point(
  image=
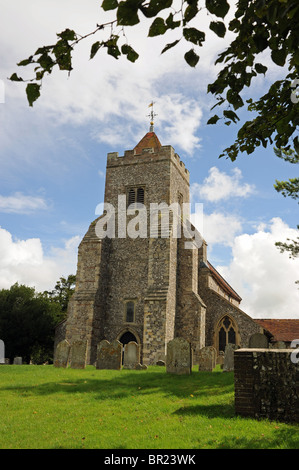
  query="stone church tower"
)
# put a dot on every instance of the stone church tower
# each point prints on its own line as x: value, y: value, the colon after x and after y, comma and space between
x: 150, y: 288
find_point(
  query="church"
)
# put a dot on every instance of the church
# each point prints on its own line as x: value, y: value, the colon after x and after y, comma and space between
x: 151, y: 288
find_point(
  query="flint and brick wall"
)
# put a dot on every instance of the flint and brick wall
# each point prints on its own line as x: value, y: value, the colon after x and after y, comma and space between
x: 266, y: 384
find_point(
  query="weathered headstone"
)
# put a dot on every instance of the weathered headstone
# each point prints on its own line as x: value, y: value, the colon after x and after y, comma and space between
x: 78, y: 354
x: 62, y: 354
x: 131, y: 355
x: 2, y: 352
x: 179, y: 357
x: 109, y: 355
x: 207, y: 358
x: 220, y: 358
x: 278, y: 345
x: 258, y: 340
x: 18, y: 361
x: 228, y: 363
x: 140, y: 367
x: 160, y: 363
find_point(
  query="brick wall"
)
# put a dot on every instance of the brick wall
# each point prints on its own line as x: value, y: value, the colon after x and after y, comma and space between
x: 266, y: 384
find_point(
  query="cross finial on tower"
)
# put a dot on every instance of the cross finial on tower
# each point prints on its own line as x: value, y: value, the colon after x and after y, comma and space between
x: 152, y: 115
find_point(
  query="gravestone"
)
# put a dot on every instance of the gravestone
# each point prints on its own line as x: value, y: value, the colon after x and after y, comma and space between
x: 278, y: 345
x: 140, y: 367
x: 78, y: 354
x: 207, y: 358
x: 62, y: 354
x: 258, y: 341
x: 220, y: 358
x: 2, y: 352
x: 179, y: 357
x: 109, y: 355
x: 18, y: 361
x: 131, y: 355
x: 160, y: 363
x: 228, y: 363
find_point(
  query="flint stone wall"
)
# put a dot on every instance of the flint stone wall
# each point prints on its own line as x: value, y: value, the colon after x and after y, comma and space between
x: 266, y: 384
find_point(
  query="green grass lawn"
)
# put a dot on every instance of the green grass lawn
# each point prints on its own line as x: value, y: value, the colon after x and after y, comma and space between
x: 43, y: 407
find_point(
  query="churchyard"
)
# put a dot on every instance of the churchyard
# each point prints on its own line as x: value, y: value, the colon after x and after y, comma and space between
x: 47, y: 407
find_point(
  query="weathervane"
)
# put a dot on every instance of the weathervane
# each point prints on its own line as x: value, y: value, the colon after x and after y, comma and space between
x: 152, y: 116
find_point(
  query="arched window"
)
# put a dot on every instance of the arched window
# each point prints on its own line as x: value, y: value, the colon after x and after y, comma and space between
x: 226, y: 333
x: 130, y: 310
x: 135, y: 195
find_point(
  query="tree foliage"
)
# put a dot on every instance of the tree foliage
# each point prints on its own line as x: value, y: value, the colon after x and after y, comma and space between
x: 288, y: 188
x: 27, y: 322
x: 259, y: 25
x: 64, y: 289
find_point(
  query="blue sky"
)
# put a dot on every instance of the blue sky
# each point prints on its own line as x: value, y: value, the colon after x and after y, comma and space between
x: 53, y: 156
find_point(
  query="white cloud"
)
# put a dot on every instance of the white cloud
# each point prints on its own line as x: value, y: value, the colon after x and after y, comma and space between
x: 264, y: 277
x: 218, y: 186
x: 24, y: 261
x: 217, y: 227
x: 18, y: 203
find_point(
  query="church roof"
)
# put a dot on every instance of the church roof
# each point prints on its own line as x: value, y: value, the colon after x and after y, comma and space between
x: 150, y: 140
x: 281, y: 329
x: 223, y: 283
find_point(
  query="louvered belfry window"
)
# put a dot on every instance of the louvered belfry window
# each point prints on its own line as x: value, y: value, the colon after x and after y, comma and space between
x: 136, y: 195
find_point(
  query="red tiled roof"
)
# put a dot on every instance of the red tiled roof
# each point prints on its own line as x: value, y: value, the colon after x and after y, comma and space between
x: 150, y: 140
x: 281, y: 329
x: 223, y: 284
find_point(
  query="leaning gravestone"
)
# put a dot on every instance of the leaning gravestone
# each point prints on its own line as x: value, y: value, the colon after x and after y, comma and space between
x: 228, y: 363
x: 179, y: 357
x: 131, y: 355
x: 18, y: 361
x: 62, y: 354
x: 258, y: 341
x: 78, y: 354
x: 207, y: 358
x: 109, y: 355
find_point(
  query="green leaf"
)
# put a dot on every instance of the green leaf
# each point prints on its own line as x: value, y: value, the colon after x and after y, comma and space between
x: 15, y: 78
x: 157, y: 27
x: 218, y: 7
x: 190, y: 12
x: 62, y: 52
x: 191, y: 58
x: 194, y: 35
x: 279, y: 57
x: 109, y: 5
x: 218, y: 27
x: 132, y: 55
x: 213, y: 120
x: 46, y: 62
x: 154, y: 7
x: 32, y: 91
x: 170, y: 23
x: 127, y: 13
x: 260, y: 68
x: 94, y: 48
x: 231, y: 115
x: 25, y: 61
x: 170, y: 45
x: 68, y: 35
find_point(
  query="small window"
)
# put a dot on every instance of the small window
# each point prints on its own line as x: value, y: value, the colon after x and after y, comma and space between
x: 135, y: 195
x: 130, y: 311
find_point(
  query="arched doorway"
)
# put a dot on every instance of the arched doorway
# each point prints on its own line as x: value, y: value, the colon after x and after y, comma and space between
x: 226, y: 332
x: 125, y: 338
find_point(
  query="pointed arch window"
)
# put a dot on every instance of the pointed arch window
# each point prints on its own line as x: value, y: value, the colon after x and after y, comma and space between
x: 135, y: 195
x: 226, y: 333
